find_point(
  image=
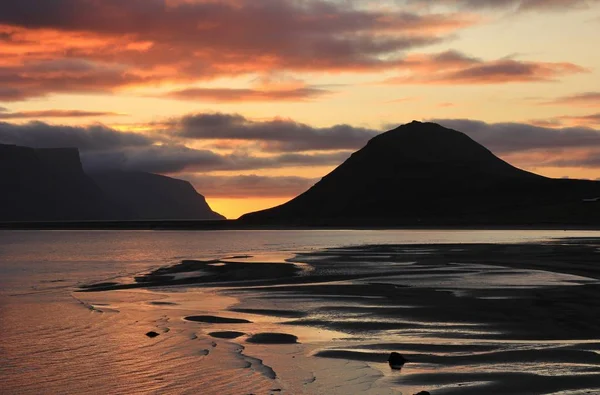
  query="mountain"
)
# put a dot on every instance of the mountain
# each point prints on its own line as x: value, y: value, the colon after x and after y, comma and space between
x: 151, y: 196
x: 423, y: 173
x: 48, y: 185
x: 51, y: 185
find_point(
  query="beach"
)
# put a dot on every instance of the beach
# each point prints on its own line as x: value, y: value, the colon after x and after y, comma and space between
x: 470, y: 318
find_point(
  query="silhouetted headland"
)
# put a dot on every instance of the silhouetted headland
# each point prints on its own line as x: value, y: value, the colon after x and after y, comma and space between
x: 154, y: 197
x: 50, y: 185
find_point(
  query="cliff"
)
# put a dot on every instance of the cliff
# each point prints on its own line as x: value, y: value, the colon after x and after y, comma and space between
x: 152, y: 197
x: 49, y: 185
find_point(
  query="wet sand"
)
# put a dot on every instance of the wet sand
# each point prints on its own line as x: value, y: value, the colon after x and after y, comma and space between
x: 470, y: 319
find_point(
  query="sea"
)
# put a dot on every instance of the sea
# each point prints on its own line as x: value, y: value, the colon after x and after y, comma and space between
x: 52, y: 341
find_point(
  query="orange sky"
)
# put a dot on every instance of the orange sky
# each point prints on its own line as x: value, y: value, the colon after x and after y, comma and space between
x: 254, y: 100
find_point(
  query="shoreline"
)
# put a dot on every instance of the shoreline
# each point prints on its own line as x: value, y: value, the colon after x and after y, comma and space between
x: 223, y: 225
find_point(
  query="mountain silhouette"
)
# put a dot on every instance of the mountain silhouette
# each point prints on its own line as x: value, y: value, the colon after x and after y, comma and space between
x: 423, y: 173
x: 51, y: 185
x: 151, y: 196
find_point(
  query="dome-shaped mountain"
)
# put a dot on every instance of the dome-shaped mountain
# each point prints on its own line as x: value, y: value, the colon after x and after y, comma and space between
x: 425, y: 173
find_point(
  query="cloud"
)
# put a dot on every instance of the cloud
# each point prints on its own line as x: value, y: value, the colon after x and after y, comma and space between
x: 248, y: 185
x: 529, y: 146
x: 517, y: 5
x: 157, y: 18
x: 454, y: 67
x: 246, y: 95
x: 43, y: 77
x: 584, y: 120
x: 274, y: 135
x: 586, y: 99
x: 175, y: 158
x: 101, y: 46
x: 5, y: 114
x: 105, y: 148
x: 518, y: 137
x: 268, y: 87
x: 87, y: 138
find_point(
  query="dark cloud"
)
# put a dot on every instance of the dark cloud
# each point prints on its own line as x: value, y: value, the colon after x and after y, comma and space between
x: 160, y: 18
x: 533, y: 147
x: 86, y: 138
x: 454, y: 67
x: 5, y: 114
x: 590, y: 160
x: 106, y: 148
x: 103, y: 148
x: 248, y: 185
x: 154, y: 159
x: 502, y: 138
x: 518, y: 5
x: 275, y: 135
x: 169, y: 159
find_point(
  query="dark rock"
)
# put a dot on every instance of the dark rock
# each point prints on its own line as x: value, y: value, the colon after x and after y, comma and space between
x: 423, y: 393
x: 152, y: 334
x: 396, y: 360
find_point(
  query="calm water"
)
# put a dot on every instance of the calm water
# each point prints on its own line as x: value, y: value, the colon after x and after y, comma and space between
x: 31, y: 260
x: 49, y: 344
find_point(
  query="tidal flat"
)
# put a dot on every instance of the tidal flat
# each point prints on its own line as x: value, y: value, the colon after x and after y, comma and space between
x: 299, y: 312
x: 469, y: 318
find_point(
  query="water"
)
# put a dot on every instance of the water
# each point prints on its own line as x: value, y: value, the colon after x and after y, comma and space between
x: 51, y: 342
x: 31, y: 259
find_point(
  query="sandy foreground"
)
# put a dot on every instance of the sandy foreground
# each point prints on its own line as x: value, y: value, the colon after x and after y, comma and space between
x: 471, y: 319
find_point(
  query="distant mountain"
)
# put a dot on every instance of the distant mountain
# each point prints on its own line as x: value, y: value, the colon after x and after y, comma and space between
x: 151, y: 196
x: 423, y: 173
x: 51, y: 185
x: 48, y: 185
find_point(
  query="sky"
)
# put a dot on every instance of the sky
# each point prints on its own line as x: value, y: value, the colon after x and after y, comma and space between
x: 253, y: 101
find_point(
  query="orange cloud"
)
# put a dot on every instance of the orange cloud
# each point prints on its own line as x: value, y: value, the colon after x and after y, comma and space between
x: 586, y: 99
x: 139, y: 42
x: 270, y: 87
x: 453, y: 67
x: 54, y: 114
x: 65, y: 75
x: 583, y: 120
